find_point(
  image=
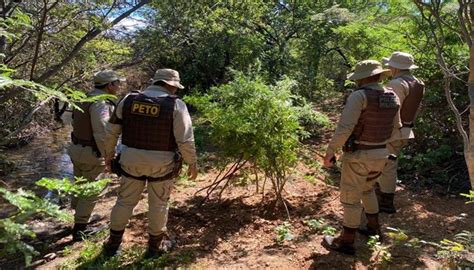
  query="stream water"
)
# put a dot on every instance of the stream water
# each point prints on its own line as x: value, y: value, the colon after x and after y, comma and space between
x: 44, y: 156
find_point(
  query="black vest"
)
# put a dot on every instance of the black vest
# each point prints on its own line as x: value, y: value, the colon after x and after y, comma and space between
x: 147, y: 122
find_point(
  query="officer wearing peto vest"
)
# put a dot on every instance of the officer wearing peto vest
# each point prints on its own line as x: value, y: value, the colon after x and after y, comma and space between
x: 410, y: 91
x: 87, y: 148
x: 365, y: 127
x: 156, y: 130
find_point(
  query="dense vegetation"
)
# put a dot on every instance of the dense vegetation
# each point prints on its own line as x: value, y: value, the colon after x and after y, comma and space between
x: 240, y: 61
x: 314, y: 43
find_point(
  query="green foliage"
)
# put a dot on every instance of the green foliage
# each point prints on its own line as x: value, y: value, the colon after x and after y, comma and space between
x: 320, y: 226
x: 9, y: 26
x: 398, y: 235
x: 249, y: 120
x: 463, y: 242
x: 428, y: 159
x: 13, y: 228
x: 283, y: 233
x: 469, y: 195
x: 454, y: 252
x: 11, y: 235
x: 90, y: 256
x: 314, y: 122
x: 28, y: 206
x: 380, y: 253
x: 79, y: 188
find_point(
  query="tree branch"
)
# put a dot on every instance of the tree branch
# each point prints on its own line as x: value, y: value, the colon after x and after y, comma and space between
x: 26, y: 121
x: 94, y: 32
x: 462, y: 23
x: 44, y: 17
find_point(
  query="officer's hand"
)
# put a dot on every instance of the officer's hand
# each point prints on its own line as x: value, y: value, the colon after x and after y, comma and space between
x: 192, y: 172
x: 329, y: 159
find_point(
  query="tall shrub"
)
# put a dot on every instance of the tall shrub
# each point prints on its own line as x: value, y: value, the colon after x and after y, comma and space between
x: 254, y: 123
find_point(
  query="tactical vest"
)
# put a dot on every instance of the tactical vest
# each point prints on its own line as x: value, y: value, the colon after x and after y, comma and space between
x: 412, y: 101
x: 147, y: 122
x: 82, y: 133
x: 375, y: 123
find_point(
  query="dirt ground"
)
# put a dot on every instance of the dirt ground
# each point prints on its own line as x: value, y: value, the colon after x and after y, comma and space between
x: 238, y: 231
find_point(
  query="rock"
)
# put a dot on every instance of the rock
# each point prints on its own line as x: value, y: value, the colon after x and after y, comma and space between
x: 451, y: 228
x: 464, y: 215
x: 293, y: 246
x: 50, y: 256
x: 267, y: 264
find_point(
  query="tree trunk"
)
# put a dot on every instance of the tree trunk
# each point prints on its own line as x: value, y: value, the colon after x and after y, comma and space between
x: 469, y: 152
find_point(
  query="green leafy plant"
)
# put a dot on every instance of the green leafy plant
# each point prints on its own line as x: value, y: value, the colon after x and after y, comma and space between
x: 79, y: 188
x: 452, y: 251
x: 399, y: 236
x: 380, y: 253
x: 329, y: 230
x: 28, y: 206
x: 252, y: 122
x: 320, y: 226
x: 283, y: 233
x: 13, y: 229
x: 469, y: 195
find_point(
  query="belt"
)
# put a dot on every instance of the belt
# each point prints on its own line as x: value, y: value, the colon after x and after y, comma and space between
x: 85, y: 143
x: 147, y: 178
x: 408, y: 125
x: 369, y: 147
x: 117, y: 168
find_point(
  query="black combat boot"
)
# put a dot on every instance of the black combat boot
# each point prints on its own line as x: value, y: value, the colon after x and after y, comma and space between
x: 113, y: 243
x: 386, y: 203
x: 373, y: 226
x: 344, y: 243
x: 78, y: 231
x: 155, y: 249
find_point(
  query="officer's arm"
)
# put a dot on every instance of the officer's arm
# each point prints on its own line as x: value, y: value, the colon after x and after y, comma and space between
x: 113, y: 131
x: 349, y: 118
x: 100, y: 114
x: 400, y: 87
x: 183, y: 133
x: 397, y: 121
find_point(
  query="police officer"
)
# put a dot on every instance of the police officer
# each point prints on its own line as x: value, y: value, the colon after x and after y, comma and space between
x: 156, y: 128
x: 409, y: 90
x: 87, y: 148
x: 365, y: 126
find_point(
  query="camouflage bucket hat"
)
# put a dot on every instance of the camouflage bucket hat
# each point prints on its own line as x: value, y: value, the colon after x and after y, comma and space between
x: 169, y: 76
x: 107, y: 76
x: 367, y: 68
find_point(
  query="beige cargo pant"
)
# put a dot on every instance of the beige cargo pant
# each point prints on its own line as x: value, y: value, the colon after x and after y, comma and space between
x: 84, y: 206
x: 388, y: 179
x: 359, y: 171
x: 130, y: 193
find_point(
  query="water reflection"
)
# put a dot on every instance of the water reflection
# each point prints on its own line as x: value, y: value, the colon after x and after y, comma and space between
x: 45, y: 156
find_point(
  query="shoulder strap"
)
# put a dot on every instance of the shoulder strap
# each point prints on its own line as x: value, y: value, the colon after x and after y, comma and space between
x: 114, y: 119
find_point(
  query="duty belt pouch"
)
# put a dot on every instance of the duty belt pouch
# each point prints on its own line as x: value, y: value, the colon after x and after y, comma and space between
x: 178, y: 164
x: 115, y: 166
x: 350, y: 145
